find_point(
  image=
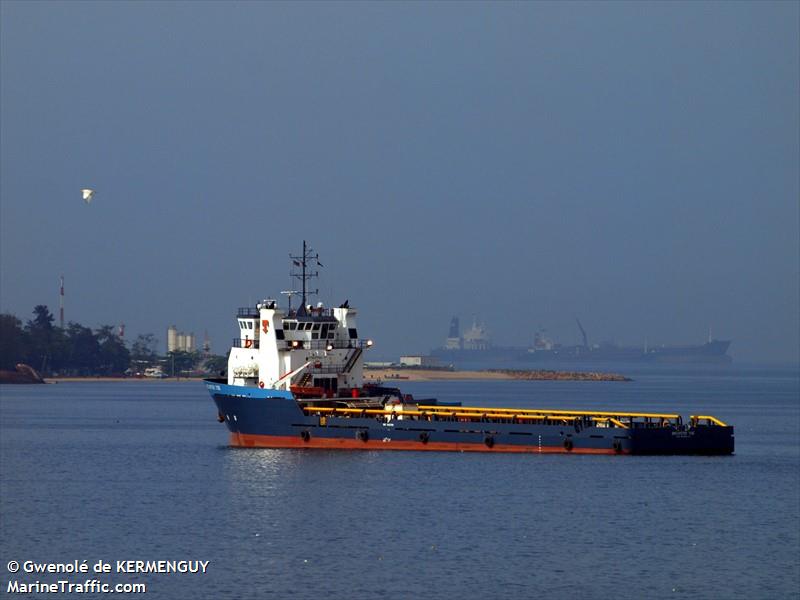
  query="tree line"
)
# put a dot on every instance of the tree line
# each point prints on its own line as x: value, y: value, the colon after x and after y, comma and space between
x: 76, y: 350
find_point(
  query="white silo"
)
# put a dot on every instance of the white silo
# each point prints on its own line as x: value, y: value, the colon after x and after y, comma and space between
x: 190, y: 342
x: 172, y: 338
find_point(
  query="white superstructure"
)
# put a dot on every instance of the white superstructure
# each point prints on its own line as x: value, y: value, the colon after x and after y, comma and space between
x: 312, y: 350
x: 476, y: 337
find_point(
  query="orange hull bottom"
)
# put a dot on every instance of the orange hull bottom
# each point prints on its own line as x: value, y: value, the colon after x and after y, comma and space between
x: 247, y: 440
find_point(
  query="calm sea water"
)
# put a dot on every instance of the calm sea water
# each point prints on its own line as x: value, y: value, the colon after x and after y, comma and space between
x: 119, y: 471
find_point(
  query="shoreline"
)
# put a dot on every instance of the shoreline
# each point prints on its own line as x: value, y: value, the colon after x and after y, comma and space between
x: 392, y: 375
x: 386, y: 375
x: 105, y: 379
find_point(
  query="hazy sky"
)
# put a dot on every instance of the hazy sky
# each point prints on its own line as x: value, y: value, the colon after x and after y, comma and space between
x: 631, y: 164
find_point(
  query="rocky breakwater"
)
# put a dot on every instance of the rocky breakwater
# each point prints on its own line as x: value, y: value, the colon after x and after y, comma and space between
x: 22, y: 374
x: 546, y: 375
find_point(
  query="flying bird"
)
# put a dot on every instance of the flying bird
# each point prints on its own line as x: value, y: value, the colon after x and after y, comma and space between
x: 87, y: 195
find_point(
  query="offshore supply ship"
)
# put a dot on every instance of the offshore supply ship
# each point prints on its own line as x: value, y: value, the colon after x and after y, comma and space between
x: 294, y: 380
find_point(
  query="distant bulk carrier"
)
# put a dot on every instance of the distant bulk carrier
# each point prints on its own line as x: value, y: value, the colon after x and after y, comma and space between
x: 294, y: 380
x: 475, y: 346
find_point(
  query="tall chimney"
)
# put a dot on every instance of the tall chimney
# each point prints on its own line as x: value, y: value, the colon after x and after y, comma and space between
x: 61, y: 304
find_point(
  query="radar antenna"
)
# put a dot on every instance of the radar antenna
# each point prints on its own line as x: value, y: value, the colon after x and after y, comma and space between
x: 305, y: 274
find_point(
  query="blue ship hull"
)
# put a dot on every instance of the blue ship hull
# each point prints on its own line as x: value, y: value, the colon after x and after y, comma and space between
x: 275, y: 419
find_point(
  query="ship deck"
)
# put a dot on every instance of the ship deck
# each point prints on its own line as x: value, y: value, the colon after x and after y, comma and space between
x: 624, y: 420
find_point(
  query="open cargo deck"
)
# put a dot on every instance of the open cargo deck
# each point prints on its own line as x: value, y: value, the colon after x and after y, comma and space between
x: 260, y: 419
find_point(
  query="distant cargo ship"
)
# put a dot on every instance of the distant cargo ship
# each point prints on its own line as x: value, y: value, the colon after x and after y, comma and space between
x: 713, y: 351
x: 475, y: 346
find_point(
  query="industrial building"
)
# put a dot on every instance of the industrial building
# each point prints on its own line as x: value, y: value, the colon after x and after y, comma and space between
x: 178, y: 341
x: 419, y: 361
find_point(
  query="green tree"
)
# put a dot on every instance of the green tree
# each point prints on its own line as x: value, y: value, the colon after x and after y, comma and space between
x: 43, y: 318
x: 84, y: 351
x: 47, y: 342
x: 14, y: 342
x: 144, y: 349
x: 114, y: 357
x: 182, y: 362
x: 216, y: 365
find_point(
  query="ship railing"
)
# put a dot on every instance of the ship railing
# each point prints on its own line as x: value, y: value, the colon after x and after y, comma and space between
x: 620, y: 416
x: 325, y: 369
x: 247, y: 312
x: 308, y: 344
x: 608, y: 421
x: 509, y: 415
x: 706, y: 420
x: 443, y: 412
x: 567, y: 418
x: 311, y: 312
x: 325, y: 344
x: 546, y: 417
x: 240, y: 343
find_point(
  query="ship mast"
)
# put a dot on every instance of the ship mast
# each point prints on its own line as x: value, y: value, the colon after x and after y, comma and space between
x: 305, y: 273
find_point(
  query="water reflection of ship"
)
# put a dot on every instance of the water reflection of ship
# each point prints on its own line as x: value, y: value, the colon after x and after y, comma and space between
x: 475, y: 345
